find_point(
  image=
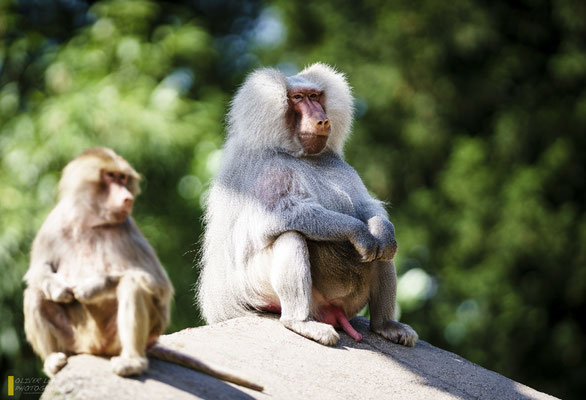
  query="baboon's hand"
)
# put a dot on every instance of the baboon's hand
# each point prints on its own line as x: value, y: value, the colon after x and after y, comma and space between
x: 366, y: 244
x: 94, y: 288
x: 384, y: 232
x: 57, y: 291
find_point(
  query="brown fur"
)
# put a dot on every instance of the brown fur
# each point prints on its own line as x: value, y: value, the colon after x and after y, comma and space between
x: 94, y: 284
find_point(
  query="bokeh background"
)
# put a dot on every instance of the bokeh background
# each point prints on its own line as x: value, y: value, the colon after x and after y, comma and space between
x: 470, y: 121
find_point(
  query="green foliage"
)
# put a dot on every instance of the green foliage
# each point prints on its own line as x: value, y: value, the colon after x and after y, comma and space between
x: 143, y: 85
x: 469, y: 119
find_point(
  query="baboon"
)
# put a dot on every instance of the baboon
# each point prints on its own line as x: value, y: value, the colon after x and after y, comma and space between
x: 95, y: 285
x: 290, y: 226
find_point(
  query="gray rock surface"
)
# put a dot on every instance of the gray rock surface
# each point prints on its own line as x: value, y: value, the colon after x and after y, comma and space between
x: 290, y: 367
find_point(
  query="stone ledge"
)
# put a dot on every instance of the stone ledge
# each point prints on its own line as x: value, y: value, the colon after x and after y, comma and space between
x: 290, y: 367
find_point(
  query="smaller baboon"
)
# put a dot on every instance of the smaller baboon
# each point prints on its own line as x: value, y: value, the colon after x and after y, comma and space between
x: 94, y: 284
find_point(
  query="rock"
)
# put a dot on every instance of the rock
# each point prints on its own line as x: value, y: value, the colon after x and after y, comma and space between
x: 290, y: 367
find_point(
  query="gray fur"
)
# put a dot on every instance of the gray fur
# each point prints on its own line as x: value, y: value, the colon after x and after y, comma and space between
x: 294, y: 230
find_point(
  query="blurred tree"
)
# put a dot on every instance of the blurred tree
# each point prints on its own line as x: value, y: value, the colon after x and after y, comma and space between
x: 469, y: 118
x: 146, y: 78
